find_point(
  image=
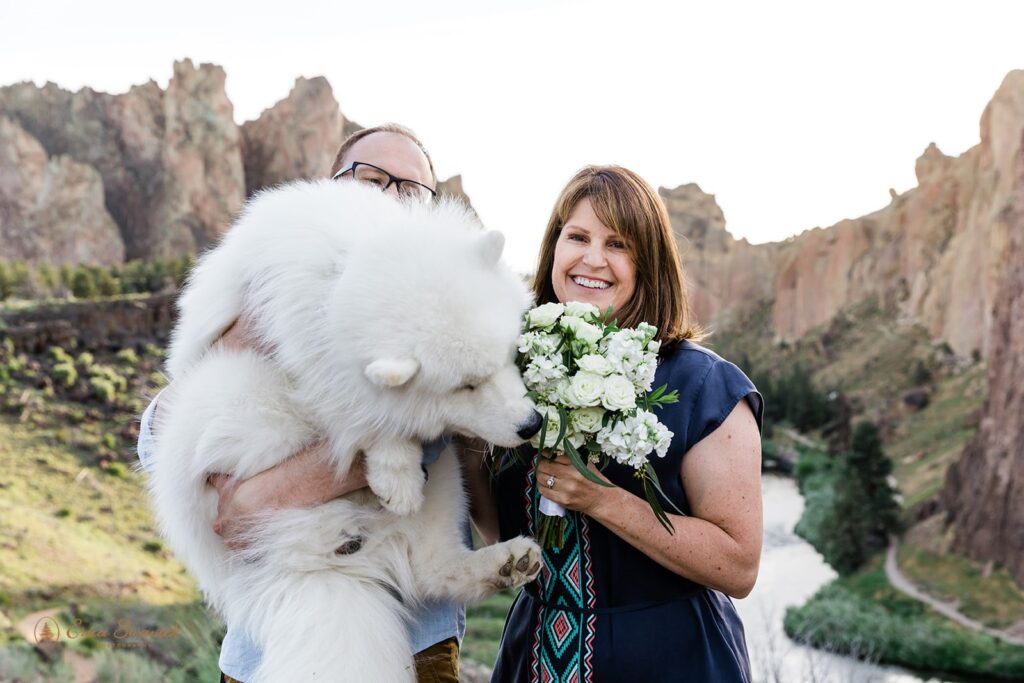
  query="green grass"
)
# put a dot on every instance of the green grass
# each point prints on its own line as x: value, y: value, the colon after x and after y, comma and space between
x: 994, y: 600
x: 484, y: 624
x: 863, y: 616
x: 927, y: 442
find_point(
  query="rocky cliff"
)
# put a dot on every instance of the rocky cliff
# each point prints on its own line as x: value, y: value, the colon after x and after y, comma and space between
x: 984, y: 490
x: 934, y: 254
x: 296, y: 138
x: 51, y: 208
x: 170, y: 161
x: 98, y: 178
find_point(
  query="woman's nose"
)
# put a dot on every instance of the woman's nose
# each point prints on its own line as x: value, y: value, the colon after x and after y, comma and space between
x: 594, y: 256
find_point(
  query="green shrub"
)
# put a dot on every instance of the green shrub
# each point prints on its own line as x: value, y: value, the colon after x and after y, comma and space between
x: 103, y: 389
x: 111, y: 375
x: 85, y: 360
x: 109, y: 440
x: 64, y: 374
x: 59, y: 355
x: 116, y: 469
x: 152, y: 546
x: 83, y: 283
x: 840, y: 620
x: 64, y: 512
x: 127, y: 357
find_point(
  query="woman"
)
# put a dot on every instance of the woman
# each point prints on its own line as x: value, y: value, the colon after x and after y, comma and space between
x: 625, y: 600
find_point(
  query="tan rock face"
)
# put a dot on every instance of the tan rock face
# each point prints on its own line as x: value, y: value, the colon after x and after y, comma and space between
x: 296, y: 138
x: 984, y: 490
x: 170, y: 162
x: 934, y: 254
x: 51, y: 210
x: 722, y: 274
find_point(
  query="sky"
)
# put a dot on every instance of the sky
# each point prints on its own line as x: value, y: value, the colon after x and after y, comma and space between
x: 793, y: 114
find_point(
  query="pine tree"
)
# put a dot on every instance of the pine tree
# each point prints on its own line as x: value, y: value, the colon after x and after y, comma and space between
x: 870, y: 466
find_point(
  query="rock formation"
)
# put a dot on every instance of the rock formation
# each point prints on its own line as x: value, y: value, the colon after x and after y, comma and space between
x: 51, y: 209
x: 170, y: 161
x: 723, y: 274
x: 934, y: 254
x: 296, y: 138
x: 984, y: 489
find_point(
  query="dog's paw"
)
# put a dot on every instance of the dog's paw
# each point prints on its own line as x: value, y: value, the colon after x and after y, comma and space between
x: 521, y: 565
x: 402, y: 495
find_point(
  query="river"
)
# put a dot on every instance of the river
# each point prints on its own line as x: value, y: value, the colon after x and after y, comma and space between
x: 791, y: 572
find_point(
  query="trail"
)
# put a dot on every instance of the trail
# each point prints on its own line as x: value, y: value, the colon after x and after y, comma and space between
x: 947, y: 609
x: 83, y: 668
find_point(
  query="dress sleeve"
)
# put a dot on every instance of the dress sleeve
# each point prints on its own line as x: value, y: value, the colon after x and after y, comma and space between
x: 722, y: 387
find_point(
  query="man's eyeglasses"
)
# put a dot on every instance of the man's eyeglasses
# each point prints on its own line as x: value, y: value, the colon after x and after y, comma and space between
x: 378, y: 177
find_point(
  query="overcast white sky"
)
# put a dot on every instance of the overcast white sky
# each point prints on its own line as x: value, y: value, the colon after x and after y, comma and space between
x: 794, y: 114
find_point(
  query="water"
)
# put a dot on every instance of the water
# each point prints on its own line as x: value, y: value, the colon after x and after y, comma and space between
x: 791, y: 572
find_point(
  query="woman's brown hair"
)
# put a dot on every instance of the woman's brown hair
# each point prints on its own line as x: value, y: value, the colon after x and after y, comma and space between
x: 625, y: 203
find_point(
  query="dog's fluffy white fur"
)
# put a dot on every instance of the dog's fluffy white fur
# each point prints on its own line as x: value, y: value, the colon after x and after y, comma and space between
x: 383, y: 324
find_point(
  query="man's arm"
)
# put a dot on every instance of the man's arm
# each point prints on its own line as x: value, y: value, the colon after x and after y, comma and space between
x: 306, y: 479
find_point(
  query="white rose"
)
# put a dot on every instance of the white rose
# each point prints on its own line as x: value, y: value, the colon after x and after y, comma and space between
x: 587, y: 420
x: 618, y: 393
x: 654, y: 346
x: 596, y: 364
x: 576, y: 439
x: 554, y: 423
x: 543, y: 317
x: 584, y: 331
x: 585, y: 389
x: 581, y: 310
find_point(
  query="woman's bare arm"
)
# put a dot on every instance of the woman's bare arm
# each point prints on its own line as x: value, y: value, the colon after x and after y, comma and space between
x: 719, y: 544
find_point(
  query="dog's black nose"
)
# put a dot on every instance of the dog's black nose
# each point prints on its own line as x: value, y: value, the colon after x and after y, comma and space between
x: 531, y: 427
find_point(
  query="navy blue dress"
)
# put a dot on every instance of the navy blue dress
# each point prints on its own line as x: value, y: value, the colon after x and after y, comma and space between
x: 601, y: 610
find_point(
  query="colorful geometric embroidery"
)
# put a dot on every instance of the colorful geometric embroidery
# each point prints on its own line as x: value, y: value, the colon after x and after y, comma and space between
x: 563, y: 646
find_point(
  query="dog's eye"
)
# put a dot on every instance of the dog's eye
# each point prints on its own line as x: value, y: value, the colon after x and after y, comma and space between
x: 468, y: 387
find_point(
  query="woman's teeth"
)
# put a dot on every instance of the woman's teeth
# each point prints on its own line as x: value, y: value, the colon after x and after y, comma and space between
x: 590, y: 284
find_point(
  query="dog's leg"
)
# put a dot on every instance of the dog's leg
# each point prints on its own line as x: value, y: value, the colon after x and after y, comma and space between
x: 394, y: 473
x: 442, y: 565
x: 325, y: 626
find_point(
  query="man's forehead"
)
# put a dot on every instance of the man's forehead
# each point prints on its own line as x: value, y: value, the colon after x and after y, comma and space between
x: 395, y: 153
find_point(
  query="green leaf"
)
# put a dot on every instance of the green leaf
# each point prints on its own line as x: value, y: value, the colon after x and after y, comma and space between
x: 563, y: 418
x: 574, y: 456
x: 659, y: 512
x: 543, y: 432
x: 652, y: 476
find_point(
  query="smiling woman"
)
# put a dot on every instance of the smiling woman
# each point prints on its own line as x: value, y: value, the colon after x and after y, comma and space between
x: 623, y: 598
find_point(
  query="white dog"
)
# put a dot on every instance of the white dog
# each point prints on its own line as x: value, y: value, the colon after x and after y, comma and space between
x: 387, y: 324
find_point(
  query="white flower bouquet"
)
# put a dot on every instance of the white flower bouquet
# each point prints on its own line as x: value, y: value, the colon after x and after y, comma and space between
x: 591, y: 381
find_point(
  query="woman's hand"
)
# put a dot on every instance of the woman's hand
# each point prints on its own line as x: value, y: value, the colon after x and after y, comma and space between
x: 569, y: 488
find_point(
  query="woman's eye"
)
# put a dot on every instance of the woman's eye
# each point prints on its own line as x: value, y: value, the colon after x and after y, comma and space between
x: 577, y: 238
x: 617, y: 245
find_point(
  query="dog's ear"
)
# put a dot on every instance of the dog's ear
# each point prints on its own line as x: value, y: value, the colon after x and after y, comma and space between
x: 392, y: 372
x: 490, y: 247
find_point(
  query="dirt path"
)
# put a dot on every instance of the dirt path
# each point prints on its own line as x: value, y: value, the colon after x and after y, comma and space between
x: 948, y: 609
x: 83, y: 668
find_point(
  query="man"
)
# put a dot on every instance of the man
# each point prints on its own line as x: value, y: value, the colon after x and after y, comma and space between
x: 392, y: 158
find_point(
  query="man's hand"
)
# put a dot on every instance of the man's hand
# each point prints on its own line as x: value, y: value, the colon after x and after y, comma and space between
x: 304, y: 480
x: 231, y: 510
